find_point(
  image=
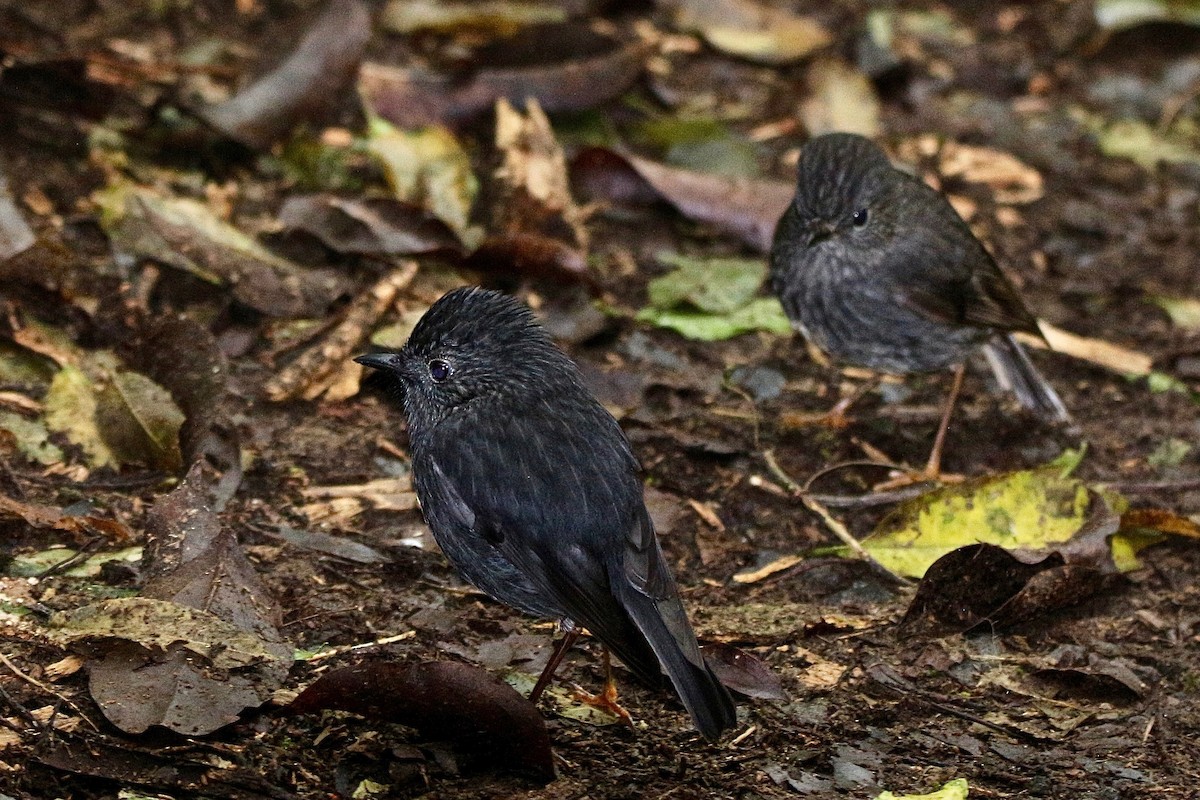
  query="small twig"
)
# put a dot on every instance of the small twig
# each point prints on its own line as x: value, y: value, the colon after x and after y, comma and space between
x: 310, y: 374
x: 1153, y: 486
x: 47, y: 689
x: 333, y: 652
x: 835, y: 526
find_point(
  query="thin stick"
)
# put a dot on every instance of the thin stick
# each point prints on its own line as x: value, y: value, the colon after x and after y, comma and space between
x: 834, y: 525
x: 32, y: 681
x: 314, y: 369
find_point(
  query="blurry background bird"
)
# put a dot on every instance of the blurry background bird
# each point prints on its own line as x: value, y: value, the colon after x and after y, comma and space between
x: 877, y: 270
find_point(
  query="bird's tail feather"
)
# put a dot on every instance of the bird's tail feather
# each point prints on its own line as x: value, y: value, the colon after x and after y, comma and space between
x: 1016, y: 373
x: 664, y: 625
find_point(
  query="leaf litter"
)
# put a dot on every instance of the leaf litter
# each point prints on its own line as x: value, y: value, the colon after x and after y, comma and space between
x: 1076, y: 683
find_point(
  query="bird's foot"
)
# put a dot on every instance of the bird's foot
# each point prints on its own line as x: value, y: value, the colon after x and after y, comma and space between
x: 903, y: 478
x: 606, y: 701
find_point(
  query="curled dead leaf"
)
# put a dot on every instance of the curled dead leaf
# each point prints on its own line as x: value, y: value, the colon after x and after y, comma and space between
x: 444, y: 700
x: 588, y: 77
x: 304, y: 85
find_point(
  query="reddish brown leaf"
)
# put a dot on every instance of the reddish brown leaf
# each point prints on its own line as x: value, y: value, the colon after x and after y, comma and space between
x: 192, y: 561
x: 742, y: 672
x: 745, y: 207
x: 530, y: 256
x: 304, y: 85
x: 374, y: 226
x: 444, y: 700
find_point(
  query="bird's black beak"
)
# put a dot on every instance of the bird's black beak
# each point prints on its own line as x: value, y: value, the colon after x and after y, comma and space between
x: 388, y: 362
x: 819, y: 231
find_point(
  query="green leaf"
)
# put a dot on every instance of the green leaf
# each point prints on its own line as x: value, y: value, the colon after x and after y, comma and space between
x: 1114, y: 15
x: 33, y: 438
x: 760, y: 314
x: 1183, y: 311
x: 709, y: 284
x: 71, y: 410
x: 428, y: 167
x: 1030, y: 509
x: 956, y: 789
x: 710, y: 299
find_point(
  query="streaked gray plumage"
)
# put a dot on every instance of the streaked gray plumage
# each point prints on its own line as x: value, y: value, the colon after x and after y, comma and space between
x: 532, y: 491
x: 878, y: 270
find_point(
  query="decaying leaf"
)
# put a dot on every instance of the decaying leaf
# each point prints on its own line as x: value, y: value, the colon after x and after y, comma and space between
x: 1011, y: 180
x: 47, y: 518
x: 139, y: 421
x: 158, y: 624
x: 182, y: 355
x: 711, y: 299
x: 443, y: 700
x: 305, y: 85
x: 372, y: 226
x: 187, y: 235
x: 201, y: 644
x: 744, y: 207
x: 489, y: 16
x: 35, y: 564
x: 71, y: 410
x: 579, y: 69
x: 31, y: 437
x: 956, y: 789
x: 742, y: 672
x: 533, y: 174
x: 753, y: 30
x: 15, y: 234
x: 1117, y: 15
x: 1030, y: 509
x: 1183, y: 311
x: 316, y: 371
x: 427, y: 167
x: 1122, y: 360
x: 840, y: 98
x: 531, y: 256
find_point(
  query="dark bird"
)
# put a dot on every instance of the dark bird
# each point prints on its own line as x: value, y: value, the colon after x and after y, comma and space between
x: 532, y: 492
x: 878, y: 270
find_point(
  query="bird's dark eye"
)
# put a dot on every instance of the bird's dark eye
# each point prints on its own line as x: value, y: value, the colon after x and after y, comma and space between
x: 439, y: 370
x: 860, y: 217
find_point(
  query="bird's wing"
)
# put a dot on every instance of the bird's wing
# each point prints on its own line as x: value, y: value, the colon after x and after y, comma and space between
x: 561, y: 501
x: 943, y: 271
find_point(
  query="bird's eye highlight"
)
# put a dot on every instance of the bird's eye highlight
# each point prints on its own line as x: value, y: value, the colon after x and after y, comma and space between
x: 439, y: 370
x: 860, y: 217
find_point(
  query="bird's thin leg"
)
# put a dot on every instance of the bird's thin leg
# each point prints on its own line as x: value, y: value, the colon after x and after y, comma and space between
x: 933, y: 467
x: 570, y: 634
